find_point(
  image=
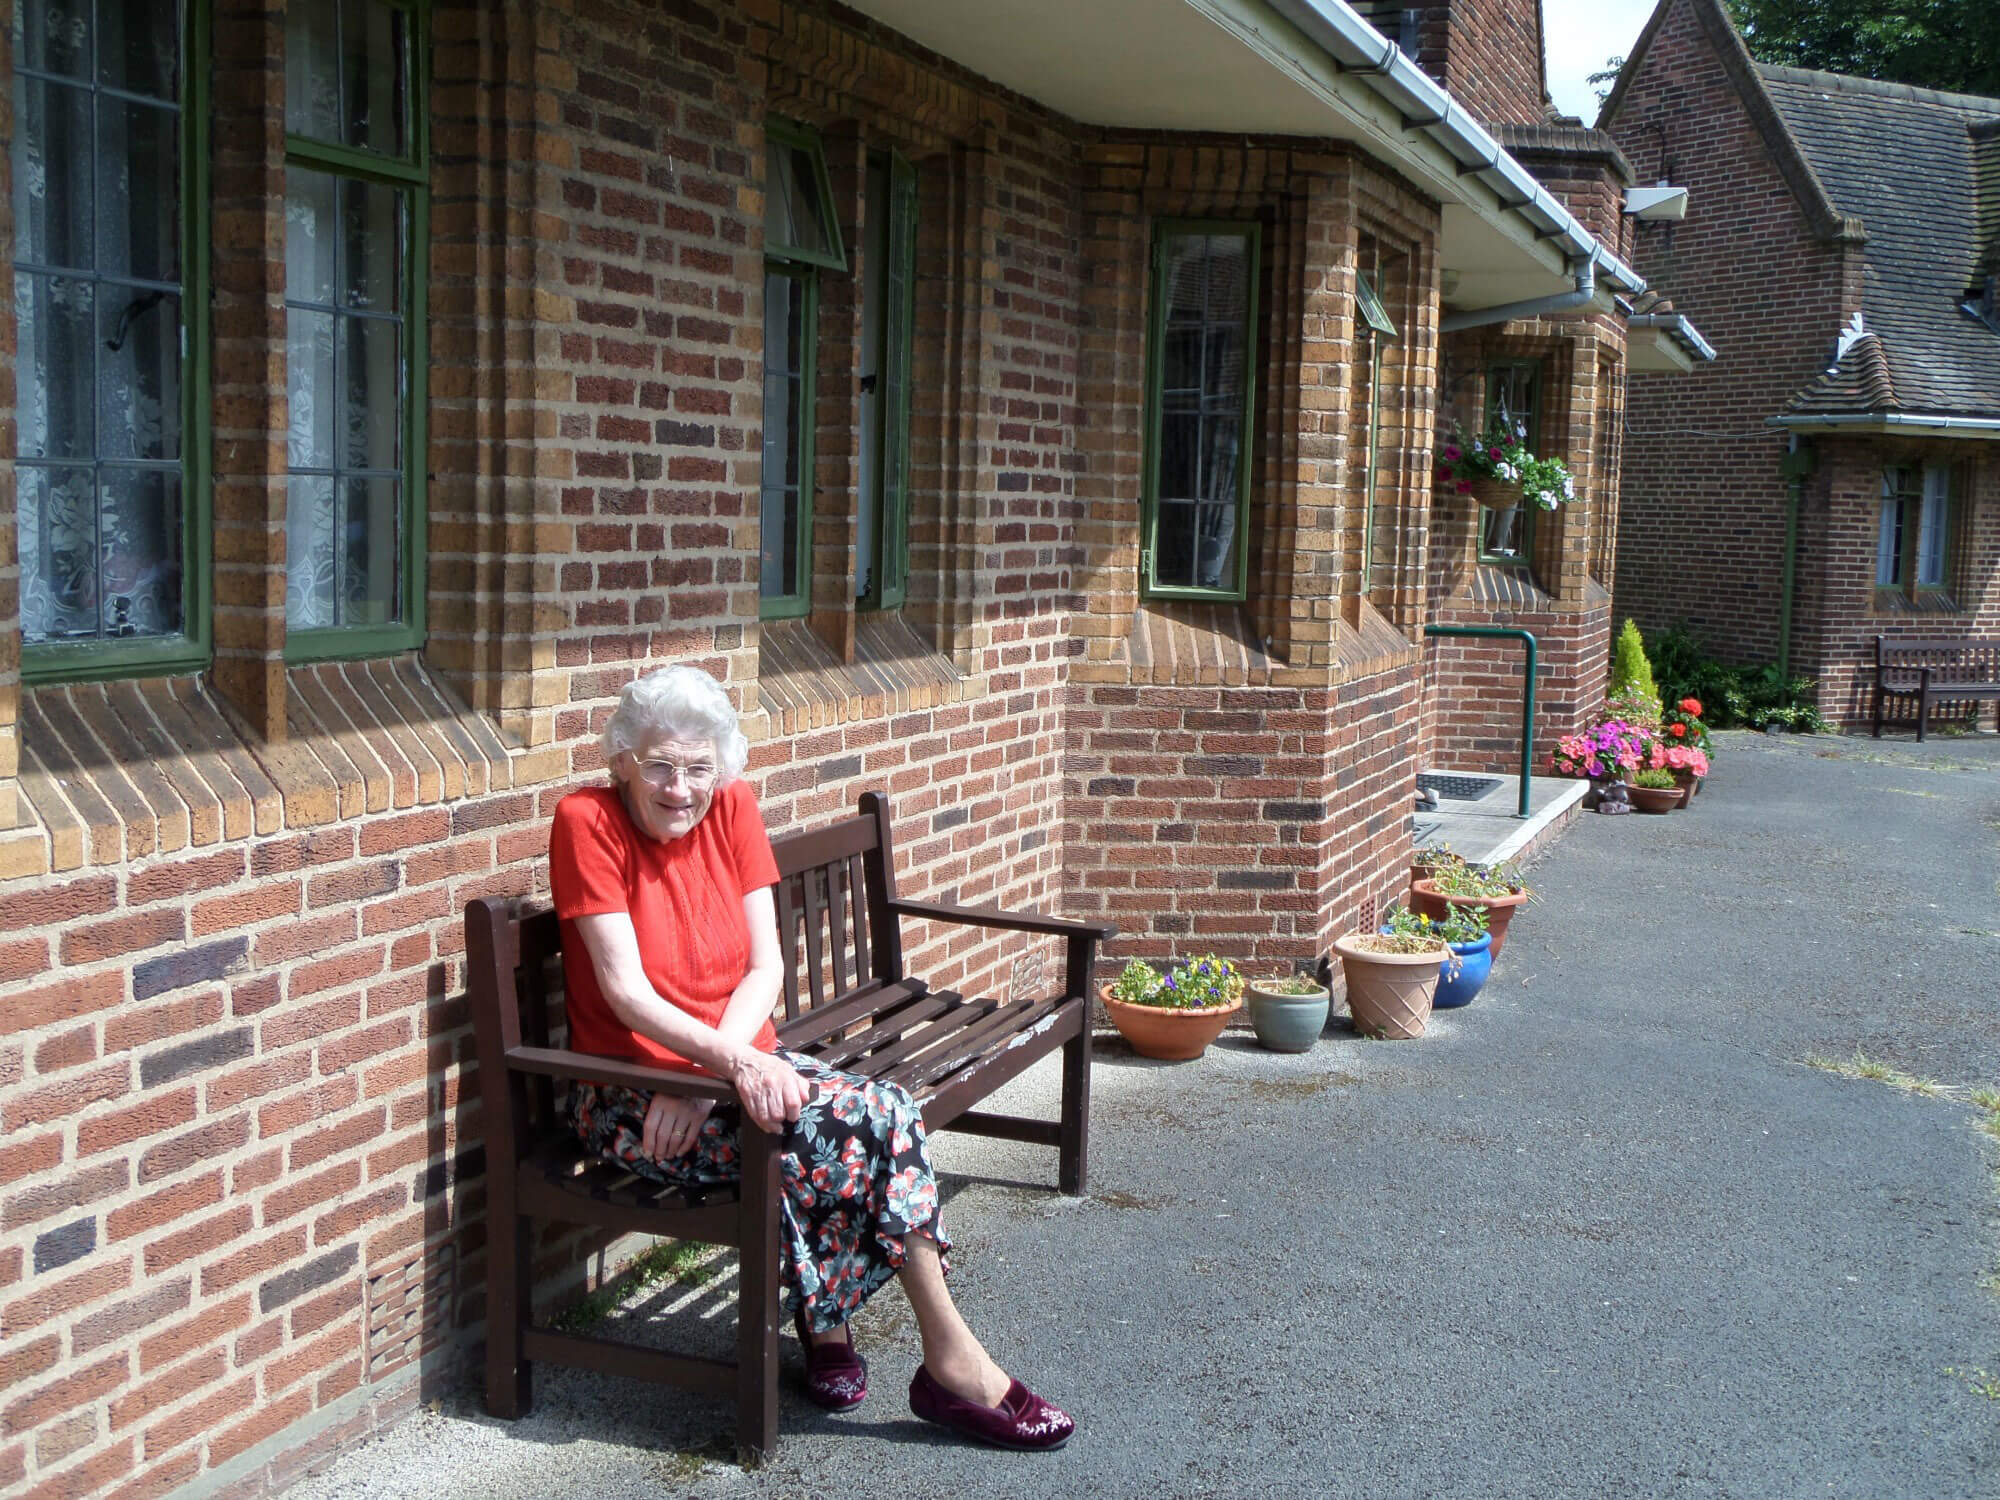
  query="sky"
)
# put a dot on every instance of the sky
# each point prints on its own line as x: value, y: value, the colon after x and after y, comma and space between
x: 1580, y: 37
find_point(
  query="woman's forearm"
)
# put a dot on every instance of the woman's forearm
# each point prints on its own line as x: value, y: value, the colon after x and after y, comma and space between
x: 750, y: 1006
x: 673, y: 1028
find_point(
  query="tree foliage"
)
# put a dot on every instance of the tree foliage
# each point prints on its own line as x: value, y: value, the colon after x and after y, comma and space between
x: 1935, y: 44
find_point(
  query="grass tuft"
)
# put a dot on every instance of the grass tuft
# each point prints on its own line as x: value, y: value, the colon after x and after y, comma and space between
x: 1861, y: 1065
x: 685, y: 1262
x: 1979, y: 1382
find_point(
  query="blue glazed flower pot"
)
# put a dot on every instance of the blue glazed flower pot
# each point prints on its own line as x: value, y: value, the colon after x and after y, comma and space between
x: 1475, y: 966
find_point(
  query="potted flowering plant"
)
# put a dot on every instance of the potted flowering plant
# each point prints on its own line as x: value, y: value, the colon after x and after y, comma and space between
x: 1682, y: 728
x: 1496, y: 890
x: 1655, y: 791
x: 1686, y: 763
x: 1174, y: 1016
x: 1392, y: 975
x: 1496, y: 464
x: 1609, y: 753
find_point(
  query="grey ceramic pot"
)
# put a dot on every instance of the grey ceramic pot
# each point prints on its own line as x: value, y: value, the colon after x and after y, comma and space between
x: 1286, y: 1023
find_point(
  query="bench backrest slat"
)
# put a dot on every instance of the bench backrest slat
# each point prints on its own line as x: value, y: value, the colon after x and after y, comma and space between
x: 834, y: 888
x: 1948, y: 660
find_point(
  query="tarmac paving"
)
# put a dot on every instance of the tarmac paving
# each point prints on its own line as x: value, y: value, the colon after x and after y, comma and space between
x: 1608, y: 1231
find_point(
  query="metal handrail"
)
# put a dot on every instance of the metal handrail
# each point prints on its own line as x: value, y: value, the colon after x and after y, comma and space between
x: 1527, y: 638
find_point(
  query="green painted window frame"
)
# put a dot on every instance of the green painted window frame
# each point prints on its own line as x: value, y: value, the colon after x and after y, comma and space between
x: 803, y: 265
x: 1374, y: 322
x: 889, y: 576
x: 411, y: 171
x: 798, y: 602
x: 1911, y: 501
x: 193, y: 649
x: 1156, y: 321
x: 1497, y: 371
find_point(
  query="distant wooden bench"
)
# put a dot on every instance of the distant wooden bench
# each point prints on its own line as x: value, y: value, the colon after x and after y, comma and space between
x: 1961, y: 671
x: 847, y: 1001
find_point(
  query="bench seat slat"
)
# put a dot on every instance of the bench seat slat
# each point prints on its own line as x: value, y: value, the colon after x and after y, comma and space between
x: 881, y: 1046
x: 959, y: 1048
x: 816, y: 1024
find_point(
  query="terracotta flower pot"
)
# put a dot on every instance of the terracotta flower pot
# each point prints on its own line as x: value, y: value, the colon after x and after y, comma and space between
x: 1690, y: 785
x: 1168, y: 1035
x: 1389, y: 994
x: 1655, y: 799
x: 1426, y: 901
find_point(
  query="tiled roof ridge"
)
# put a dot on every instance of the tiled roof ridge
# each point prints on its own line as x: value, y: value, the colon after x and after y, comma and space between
x: 1851, y: 83
x: 1563, y: 137
x: 1859, y: 380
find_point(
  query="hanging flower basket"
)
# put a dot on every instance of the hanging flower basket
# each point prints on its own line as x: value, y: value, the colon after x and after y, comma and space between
x: 1495, y: 494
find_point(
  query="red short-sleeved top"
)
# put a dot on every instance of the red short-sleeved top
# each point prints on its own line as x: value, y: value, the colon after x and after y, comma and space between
x: 685, y: 897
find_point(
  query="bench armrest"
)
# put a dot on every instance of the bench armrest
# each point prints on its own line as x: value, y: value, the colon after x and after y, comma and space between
x: 558, y: 1062
x: 1010, y: 921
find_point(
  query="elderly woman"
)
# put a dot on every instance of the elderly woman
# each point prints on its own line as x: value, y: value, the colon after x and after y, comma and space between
x: 671, y: 956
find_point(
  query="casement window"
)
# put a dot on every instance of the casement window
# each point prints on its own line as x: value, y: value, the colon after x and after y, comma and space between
x: 1376, y: 330
x: 356, y: 215
x: 801, y: 239
x: 1913, y: 531
x: 888, y: 321
x: 1200, y: 405
x: 1513, y: 401
x: 110, y: 303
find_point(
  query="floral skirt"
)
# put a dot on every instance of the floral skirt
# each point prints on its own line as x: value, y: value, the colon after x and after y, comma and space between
x: 857, y: 1179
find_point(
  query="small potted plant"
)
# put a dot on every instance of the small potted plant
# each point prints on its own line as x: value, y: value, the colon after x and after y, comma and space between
x: 1687, y: 745
x: 1287, y: 1013
x: 1465, y: 974
x: 1174, y: 1016
x: 1655, y: 791
x: 1392, y: 975
x: 1496, y: 889
x: 1432, y: 857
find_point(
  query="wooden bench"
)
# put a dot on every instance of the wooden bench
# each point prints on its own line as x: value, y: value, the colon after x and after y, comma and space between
x: 847, y: 1000
x: 1931, y: 672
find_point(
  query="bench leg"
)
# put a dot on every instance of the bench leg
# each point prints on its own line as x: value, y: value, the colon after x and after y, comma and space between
x: 757, y: 1300
x: 1878, y: 710
x: 1923, y: 714
x: 1073, y: 1154
x: 510, y: 1379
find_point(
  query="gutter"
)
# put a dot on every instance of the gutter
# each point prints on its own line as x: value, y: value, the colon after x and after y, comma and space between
x: 1941, y: 425
x: 1358, y: 48
x: 1534, y: 307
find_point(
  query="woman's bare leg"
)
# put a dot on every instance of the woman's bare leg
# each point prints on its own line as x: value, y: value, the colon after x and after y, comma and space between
x: 957, y: 1361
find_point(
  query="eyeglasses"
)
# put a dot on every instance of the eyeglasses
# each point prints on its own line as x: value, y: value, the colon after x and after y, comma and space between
x: 663, y: 772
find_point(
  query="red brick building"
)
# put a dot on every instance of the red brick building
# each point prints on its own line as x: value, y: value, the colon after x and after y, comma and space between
x: 1045, y: 440
x: 1835, y: 475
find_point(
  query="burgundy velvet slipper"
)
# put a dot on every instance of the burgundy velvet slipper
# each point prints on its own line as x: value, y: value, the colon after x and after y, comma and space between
x: 1022, y: 1419
x: 836, y: 1376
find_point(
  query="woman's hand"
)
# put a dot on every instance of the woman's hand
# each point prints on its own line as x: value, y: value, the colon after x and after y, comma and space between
x: 772, y: 1090
x: 673, y: 1125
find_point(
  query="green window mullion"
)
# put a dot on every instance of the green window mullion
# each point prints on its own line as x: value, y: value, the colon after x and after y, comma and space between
x: 892, y: 541
x: 798, y: 601
x: 1526, y: 383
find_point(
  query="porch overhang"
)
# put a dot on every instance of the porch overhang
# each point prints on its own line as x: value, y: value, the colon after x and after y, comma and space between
x: 1664, y: 344
x: 1310, y: 69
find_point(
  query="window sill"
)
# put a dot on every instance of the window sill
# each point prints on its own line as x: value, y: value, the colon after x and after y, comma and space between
x: 1931, y: 603
x: 115, y: 771
x: 802, y: 685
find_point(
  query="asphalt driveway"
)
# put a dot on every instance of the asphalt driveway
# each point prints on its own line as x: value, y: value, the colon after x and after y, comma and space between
x: 1606, y: 1232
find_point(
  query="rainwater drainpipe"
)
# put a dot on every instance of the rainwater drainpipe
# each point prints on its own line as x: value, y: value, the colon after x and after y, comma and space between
x: 1798, y: 462
x: 1526, y: 638
x: 1584, y: 270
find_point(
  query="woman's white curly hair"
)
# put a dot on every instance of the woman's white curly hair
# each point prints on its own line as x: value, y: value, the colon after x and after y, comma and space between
x: 682, y: 703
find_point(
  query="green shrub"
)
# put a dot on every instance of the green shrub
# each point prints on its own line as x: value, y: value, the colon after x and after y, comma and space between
x: 1631, y: 687
x: 1658, y: 781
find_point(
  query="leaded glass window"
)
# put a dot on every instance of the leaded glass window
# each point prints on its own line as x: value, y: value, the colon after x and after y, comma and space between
x: 888, y: 316
x: 102, y: 488
x: 1913, y: 529
x: 1199, y: 407
x: 354, y: 200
